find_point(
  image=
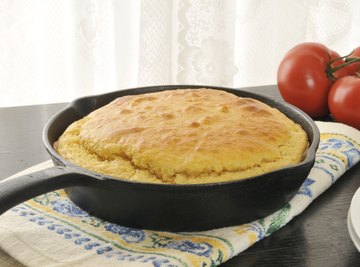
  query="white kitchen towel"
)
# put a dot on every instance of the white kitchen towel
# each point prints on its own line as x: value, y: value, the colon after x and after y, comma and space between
x: 50, y: 230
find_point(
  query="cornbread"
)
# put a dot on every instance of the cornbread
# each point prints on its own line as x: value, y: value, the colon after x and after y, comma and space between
x: 184, y: 136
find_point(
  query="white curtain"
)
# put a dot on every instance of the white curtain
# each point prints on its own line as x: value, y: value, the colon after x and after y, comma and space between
x: 57, y: 50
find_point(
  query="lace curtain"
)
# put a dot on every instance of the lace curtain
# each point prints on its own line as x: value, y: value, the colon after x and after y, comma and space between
x: 55, y: 51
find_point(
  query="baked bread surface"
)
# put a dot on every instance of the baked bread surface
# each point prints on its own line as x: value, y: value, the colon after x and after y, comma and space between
x: 184, y: 136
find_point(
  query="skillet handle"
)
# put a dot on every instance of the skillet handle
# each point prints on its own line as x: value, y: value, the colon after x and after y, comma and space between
x: 16, y: 190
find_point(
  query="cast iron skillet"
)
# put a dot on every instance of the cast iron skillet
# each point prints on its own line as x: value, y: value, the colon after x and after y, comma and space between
x: 161, y: 206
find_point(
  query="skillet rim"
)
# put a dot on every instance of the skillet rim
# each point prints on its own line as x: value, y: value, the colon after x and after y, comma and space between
x: 308, y: 160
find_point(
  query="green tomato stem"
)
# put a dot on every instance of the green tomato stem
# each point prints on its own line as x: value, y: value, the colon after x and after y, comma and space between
x: 330, y: 71
x: 347, y: 63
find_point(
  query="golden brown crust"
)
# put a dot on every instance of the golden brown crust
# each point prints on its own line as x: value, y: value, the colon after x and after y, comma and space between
x: 184, y: 136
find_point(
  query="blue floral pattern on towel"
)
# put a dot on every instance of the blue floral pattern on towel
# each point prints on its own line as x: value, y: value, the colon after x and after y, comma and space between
x: 305, y: 188
x: 128, y: 234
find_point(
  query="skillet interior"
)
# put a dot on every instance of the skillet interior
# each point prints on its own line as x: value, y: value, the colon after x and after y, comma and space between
x: 182, y: 207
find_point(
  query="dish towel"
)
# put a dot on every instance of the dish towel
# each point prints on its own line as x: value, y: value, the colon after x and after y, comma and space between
x: 50, y: 230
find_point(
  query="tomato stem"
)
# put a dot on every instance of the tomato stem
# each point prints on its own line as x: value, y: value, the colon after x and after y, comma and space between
x: 347, y: 62
x: 338, y: 58
x: 347, y: 59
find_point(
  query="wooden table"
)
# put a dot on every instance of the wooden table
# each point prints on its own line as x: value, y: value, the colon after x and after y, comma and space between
x: 317, y: 237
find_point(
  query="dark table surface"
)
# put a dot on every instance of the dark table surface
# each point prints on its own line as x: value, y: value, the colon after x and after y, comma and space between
x: 317, y: 237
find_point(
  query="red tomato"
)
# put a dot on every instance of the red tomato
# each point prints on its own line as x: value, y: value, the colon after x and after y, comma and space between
x: 303, y: 80
x: 344, y: 101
